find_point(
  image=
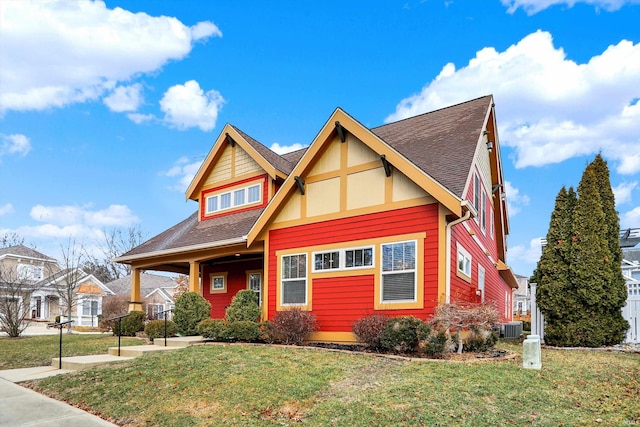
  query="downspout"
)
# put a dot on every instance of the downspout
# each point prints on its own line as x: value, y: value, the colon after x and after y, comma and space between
x: 468, y: 214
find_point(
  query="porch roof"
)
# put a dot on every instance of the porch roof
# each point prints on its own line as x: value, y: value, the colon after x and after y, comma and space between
x: 192, y: 234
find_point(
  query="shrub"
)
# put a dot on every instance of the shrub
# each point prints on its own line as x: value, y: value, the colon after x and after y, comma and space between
x: 155, y: 329
x: 243, y: 330
x: 214, y: 329
x: 244, y: 306
x: 292, y: 326
x: 113, y: 306
x: 436, y: 345
x: 129, y: 325
x: 526, y: 325
x: 368, y: 329
x: 400, y: 334
x: 268, y: 333
x: 191, y: 308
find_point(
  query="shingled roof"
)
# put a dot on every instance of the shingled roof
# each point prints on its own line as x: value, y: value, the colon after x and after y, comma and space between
x: 441, y: 143
x: 24, y: 251
x: 192, y: 232
x: 148, y: 283
x: 277, y: 161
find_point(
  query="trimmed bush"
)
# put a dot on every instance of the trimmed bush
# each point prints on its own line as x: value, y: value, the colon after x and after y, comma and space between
x: 368, y: 329
x: 244, y: 306
x: 243, y: 330
x: 400, y: 334
x: 214, y: 329
x: 191, y: 308
x: 268, y: 333
x: 130, y: 325
x: 292, y: 326
x: 436, y: 345
x: 155, y: 329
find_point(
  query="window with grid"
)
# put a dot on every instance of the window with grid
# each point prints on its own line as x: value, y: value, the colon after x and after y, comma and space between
x: 255, y: 284
x: 358, y: 258
x: 399, y: 272
x: 294, y: 279
x: 235, y: 198
x: 326, y: 261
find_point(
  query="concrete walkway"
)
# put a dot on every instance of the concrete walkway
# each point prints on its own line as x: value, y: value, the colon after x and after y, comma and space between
x: 20, y: 406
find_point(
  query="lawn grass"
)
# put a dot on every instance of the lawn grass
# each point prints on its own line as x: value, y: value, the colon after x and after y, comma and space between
x: 266, y: 386
x: 27, y: 352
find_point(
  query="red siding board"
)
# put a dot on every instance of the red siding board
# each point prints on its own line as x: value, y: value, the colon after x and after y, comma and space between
x: 338, y: 302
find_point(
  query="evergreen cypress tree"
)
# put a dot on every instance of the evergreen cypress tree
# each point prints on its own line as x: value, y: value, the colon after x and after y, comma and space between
x: 617, y: 287
x: 554, y: 295
x: 580, y: 286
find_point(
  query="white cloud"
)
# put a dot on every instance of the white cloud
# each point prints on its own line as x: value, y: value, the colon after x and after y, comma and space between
x: 630, y: 219
x: 283, y: 149
x: 88, y: 48
x: 550, y: 108
x: 14, y: 144
x: 532, y: 7
x: 622, y: 192
x: 124, y: 98
x: 138, y: 118
x: 186, y: 106
x: 521, y: 254
x: 515, y: 200
x: 6, y: 209
x: 71, y: 217
x: 185, y: 171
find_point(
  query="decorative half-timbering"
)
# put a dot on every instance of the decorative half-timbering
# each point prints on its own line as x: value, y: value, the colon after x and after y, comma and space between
x: 391, y: 220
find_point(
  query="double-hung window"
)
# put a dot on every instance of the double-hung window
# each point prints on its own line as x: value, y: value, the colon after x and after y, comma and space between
x: 294, y: 279
x: 483, y: 212
x: 399, y: 282
x: 476, y: 191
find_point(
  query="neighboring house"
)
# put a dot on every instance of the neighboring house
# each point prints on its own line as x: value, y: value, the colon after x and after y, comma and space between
x: 157, y: 293
x: 522, y: 299
x: 631, y: 271
x: 43, y: 273
x: 391, y: 220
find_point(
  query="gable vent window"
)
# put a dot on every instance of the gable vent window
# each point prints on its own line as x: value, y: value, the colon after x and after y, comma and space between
x: 232, y: 199
x: 399, y: 272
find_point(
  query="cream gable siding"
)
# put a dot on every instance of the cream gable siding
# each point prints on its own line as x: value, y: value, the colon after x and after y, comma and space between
x: 233, y: 163
x: 484, y: 166
x: 245, y: 163
x: 222, y: 169
x: 348, y: 179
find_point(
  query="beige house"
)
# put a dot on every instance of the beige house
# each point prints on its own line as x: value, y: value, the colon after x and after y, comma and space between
x: 158, y: 292
x: 44, y: 280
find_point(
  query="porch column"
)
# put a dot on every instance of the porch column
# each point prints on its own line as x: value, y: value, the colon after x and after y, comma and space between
x: 194, y: 277
x: 135, y: 304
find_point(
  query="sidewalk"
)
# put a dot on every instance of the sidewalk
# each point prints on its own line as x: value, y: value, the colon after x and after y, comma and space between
x: 20, y: 406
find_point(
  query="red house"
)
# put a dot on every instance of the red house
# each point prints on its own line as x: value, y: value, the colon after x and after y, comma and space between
x: 390, y: 220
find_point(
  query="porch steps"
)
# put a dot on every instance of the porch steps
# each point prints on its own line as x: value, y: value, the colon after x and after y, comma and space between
x: 138, y: 350
x: 76, y: 363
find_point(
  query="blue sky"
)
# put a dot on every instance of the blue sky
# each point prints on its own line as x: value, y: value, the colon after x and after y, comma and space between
x: 108, y: 108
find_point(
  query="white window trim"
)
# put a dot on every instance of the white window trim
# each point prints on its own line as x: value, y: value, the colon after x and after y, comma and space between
x: 476, y: 189
x: 283, y: 280
x: 462, y: 251
x: 482, y: 277
x: 483, y: 211
x: 342, y: 255
x: 414, y: 270
x: 231, y: 192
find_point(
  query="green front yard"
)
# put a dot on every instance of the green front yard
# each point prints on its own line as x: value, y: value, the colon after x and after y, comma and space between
x: 27, y: 352
x: 264, y: 386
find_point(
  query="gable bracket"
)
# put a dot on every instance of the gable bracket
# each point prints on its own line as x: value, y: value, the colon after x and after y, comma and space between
x: 341, y: 131
x: 300, y: 184
x: 386, y: 165
x: 230, y: 140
